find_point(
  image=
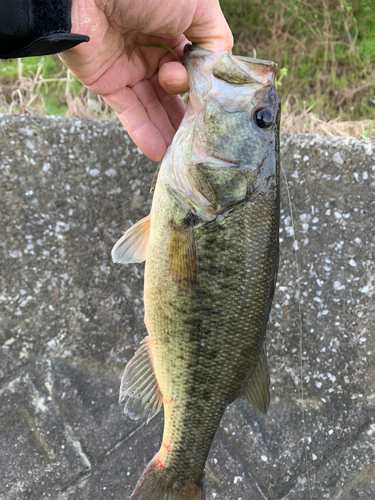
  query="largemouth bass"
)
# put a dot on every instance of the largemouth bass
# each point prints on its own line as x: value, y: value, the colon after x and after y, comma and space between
x: 211, y: 250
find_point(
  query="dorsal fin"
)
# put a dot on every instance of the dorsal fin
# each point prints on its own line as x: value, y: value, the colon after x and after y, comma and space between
x: 139, y: 386
x: 132, y: 247
x: 256, y: 390
x: 183, y: 255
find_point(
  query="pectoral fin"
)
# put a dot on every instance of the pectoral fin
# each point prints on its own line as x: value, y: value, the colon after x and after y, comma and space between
x: 132, y: 247
x: 183, y: 255
x: 139, y: 386
x: 256, y: 390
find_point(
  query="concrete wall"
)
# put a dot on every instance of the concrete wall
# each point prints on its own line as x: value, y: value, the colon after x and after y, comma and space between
x: 70, y: 319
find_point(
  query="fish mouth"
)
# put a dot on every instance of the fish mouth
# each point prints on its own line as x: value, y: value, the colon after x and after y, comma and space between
x: 258, y: 70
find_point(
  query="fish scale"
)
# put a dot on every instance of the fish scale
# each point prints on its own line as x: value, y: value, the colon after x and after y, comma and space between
x: 231, y: 317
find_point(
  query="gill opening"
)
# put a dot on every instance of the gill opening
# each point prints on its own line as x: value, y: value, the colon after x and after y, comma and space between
x: 295, y: 246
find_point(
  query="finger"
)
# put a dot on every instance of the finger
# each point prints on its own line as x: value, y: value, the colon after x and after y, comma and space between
x: 173, y: 104
x: 172, y: 75
x: 173, y: 78
x: 148, y: 98
x: 137, y: 123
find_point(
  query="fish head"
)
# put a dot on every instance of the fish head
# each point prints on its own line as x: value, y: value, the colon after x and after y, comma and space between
x: 226, y: 148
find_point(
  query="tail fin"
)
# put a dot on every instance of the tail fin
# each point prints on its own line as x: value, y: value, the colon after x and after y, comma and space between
x: 154, y: 484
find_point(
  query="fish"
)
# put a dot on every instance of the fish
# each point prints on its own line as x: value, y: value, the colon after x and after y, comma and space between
x: 211, y: 249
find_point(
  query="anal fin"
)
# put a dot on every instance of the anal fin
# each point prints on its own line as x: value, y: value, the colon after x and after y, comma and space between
x: 139, y: 387
x: 256, y: 390
x: 132, y: 246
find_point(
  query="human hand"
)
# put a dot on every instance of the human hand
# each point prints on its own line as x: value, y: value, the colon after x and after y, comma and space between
x: 143, y: 90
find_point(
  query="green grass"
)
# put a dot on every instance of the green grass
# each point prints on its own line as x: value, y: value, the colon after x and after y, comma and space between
x: 36, y: 84
x: 326, y: 46
x: 36, y: 78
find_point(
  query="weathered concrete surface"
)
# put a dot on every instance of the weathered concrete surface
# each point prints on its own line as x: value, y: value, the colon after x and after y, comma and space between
x: 70, y: 320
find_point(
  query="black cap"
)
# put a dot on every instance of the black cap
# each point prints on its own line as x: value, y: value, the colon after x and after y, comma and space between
x: 36, y: 28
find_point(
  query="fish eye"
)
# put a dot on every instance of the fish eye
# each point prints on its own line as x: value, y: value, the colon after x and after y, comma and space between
x: 264, y: 118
